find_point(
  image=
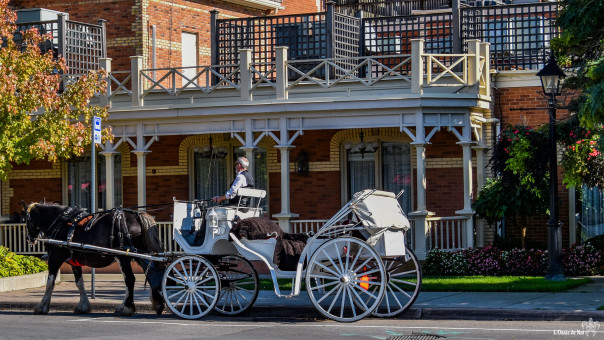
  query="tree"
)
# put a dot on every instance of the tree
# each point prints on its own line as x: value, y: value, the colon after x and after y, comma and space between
x: 580, y: 47
x: 520, y: 158
x: 36, y: 120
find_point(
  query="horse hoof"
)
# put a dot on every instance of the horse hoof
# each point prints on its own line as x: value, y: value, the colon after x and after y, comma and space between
x: 159, y: 308
x: 124, y: 311
x: 40, y: 310
x: 81, y: 311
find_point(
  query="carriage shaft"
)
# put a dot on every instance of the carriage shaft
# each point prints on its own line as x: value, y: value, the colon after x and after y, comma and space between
x: 111, y: 251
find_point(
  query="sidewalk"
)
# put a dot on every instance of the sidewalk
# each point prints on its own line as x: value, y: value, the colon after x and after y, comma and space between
x: 579, y: 304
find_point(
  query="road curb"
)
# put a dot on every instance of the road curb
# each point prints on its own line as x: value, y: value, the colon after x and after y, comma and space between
x: 310, y: 312
x: 12, y: 283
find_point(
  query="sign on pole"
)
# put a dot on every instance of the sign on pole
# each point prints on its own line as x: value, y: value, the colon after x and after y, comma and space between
x: 97, y: 130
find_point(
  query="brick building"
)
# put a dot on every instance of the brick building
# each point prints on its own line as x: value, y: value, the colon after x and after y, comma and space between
x: 313, y: 140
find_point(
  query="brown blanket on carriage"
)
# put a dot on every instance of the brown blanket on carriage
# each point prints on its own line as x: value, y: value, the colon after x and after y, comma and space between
x: 288, y: 247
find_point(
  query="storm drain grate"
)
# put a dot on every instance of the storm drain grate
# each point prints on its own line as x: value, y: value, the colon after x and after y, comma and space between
x: 416, y: 336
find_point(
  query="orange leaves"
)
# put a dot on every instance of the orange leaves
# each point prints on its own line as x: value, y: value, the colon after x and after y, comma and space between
x: 36, y: 121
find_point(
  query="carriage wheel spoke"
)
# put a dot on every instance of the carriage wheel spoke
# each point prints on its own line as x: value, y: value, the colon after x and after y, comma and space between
x: 337, y: 275
x: 354, y: 311
x: 334, y: 299
x: 184, y: 304
x: 414, y: 272
x: 394, y: 296
x: 339, y: 272
x: 347, y: 250
x: 178, y: 292
x: 329, y: 293
x: 403, y: 282
x: 401, y: 290
x: 177, y: 280
x: 325, y: 285
x: 359, y: 299
x: 343, y: 302
x: 201, y: 298
x: 365, y: 291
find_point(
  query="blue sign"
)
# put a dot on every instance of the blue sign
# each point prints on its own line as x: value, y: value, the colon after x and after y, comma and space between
x: 96, y: 135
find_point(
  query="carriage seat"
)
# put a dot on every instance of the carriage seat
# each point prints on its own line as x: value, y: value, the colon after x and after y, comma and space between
x: 258, y: 232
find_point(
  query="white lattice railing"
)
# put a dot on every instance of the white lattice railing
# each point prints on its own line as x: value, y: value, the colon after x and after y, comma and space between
x: 166, y: 237
x: 12, y: 236
x: 306, y: 226
x: 447, y: 233
x: 416, y: 70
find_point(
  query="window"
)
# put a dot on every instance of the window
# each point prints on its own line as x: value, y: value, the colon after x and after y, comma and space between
x: 210, y: 174
x: 387, y: 166
x: 78, y: 182
x: 189, y: 57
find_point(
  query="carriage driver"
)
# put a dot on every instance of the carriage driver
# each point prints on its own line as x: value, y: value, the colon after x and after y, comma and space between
x: 243, y: 179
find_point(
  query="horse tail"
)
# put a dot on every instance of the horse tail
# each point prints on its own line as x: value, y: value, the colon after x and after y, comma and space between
x: 150, y: 233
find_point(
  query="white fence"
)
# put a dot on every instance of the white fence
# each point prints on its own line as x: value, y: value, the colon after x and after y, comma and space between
x: 12, y: 236
x: 306, y: 226
x: 446, y: 233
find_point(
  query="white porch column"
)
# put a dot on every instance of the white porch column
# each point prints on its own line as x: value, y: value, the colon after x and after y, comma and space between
x: 249, y: 154
x: 249, y: 146
x: 109, y: 155
x: 141, y: 175
x: 284, y: 146
x: 141, y: 150
x: 466, y: 144
x: 421, y: 213
x: 285, y: 215
x: 480, y: 181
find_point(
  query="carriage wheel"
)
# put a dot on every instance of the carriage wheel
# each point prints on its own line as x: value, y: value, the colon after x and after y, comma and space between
x: 239, y: 285
x: 404, y: 283
x: 191, y: 287
x: 345, y: 279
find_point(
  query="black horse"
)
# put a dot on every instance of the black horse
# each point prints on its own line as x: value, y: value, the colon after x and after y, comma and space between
x: 121, y: 229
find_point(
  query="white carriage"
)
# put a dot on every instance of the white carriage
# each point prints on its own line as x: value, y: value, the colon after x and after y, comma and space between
x: 356, y: 264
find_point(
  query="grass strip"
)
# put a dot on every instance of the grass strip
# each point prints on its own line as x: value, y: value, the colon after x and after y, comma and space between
x: 499, y: 284
x: 472, y: 284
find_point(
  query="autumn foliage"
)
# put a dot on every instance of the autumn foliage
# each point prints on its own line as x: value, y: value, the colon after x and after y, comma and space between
x: 37, y: 120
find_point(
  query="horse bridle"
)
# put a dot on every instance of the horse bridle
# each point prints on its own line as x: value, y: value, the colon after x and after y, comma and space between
x: 32, y: 241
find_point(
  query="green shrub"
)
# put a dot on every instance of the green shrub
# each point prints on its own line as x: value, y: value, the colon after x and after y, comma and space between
x: 490, y: 261
x: 12, y: 264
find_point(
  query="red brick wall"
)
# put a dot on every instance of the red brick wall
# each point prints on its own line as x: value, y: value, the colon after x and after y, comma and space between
x: 161, y: 189
x: 34, y: 190
x: 524, y: 98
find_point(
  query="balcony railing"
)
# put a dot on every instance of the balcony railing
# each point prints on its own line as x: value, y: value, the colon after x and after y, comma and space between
x: 519, y: 34
x: 447, y: 233
x: 276, y: 79
x: 81, y: 44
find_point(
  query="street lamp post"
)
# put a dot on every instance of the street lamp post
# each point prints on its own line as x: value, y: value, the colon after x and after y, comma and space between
x: 550, y: 76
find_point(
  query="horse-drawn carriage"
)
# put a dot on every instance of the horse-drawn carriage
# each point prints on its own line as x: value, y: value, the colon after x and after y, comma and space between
x: 355, y: 265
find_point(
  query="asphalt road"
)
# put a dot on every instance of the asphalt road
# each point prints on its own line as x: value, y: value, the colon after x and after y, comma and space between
x: 63, y: 325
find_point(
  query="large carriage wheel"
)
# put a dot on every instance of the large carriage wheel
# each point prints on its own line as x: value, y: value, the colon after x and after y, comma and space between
x: 404, y: 283
x: 345, y: 279
x: 239, y: 285
x: 191, y: 287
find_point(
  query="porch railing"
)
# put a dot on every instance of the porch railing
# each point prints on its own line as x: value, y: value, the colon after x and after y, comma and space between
x: 446, y: 233
x: 12, y: 236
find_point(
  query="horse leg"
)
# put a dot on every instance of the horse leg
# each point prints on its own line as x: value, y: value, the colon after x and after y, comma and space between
x: 83, y: 306
x: 155, y: 272
x: 54, y: 264
x: 127, y: 307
